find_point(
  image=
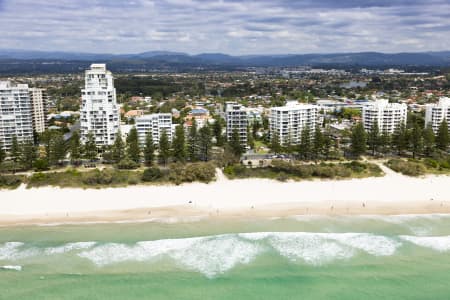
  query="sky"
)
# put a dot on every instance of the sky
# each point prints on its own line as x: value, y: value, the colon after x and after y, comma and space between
x: 227, y: 26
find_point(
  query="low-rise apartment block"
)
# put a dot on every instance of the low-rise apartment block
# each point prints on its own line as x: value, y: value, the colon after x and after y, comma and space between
x: 155, y: 124
x: 436, y: 113
x: 388, y: 115
x: 236, y: 117
x: 288, y: 121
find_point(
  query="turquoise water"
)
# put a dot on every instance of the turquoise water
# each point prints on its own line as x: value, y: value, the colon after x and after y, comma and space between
x: 370, y: 257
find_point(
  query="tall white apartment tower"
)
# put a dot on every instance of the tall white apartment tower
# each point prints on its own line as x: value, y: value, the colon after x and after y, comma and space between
x: 15, y: 114
x: 288, y: 121
x: 436, y: 113
x: 154, y: 124
x: 388, y: 115
x: 236, y: 117
x: 99, y: 110
x: 39, y: 102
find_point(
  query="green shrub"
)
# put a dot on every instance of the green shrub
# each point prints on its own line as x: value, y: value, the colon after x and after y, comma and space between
x: 409, y: 168
x: 324, y: 172
x: 445, y: 164
x: 283, y: 177
x: 38, y: 179
x: 10, y: 181
x: 11, y: 167
x: 357, y: 166
x: 236, y: 171
x: 41, y: 165
x: 203, y: 172
x: 127, y: 164
x: 431, y: 163
x: 152, y: 174
x: 345, y: 172
x: 98, y: 177
x: 133, y: 181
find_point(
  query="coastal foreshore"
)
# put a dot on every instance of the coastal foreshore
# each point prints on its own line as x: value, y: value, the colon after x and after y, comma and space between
x: 252, y: 198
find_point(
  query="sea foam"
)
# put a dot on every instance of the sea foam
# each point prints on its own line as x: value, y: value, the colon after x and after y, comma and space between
x: 69, y: 247
x: 210, y: 256
x: 15, y: 251
x: 215, y: 255
x: 321, y: 248
x: 438, y: 243
x: 11, y: 268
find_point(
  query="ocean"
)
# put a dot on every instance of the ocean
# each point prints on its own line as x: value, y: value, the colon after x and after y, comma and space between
x: 305, y: 257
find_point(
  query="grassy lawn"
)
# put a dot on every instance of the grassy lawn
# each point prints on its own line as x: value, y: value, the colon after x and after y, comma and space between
x: 261, y: 147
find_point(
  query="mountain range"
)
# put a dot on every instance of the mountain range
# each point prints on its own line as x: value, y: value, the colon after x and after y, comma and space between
x: 13, y: 61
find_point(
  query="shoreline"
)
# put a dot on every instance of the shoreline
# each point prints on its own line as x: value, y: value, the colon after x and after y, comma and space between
x: 392, y: 194
x: 184, y: 214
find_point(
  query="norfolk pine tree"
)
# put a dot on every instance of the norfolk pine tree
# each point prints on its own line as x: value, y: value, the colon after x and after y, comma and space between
x: 57, y: 147
x: 235, y: 144
x: 15, y: 149
x: 428, y: 140
x: 179, y: 145
x: 90, y: 148
x: 118, y: 149
x: 2, y: 153
x: 304, y: 149
x: 133, y: 150
x: 416, y: 140
x: 28, y: 154
x: 400, y: 138
x: 217, y: 130
x: 149, y: 150
x: 164, y: 148
x: 193, y: 142
x: 205, y: 143
x: 275, y: 145
x: 442, y: 137
x: 318, y: 143
x: 358, y: 140
x: 373, y: 137
x: 75, y: 148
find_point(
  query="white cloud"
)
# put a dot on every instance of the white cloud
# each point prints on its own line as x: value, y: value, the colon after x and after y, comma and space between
x: 229, y: 26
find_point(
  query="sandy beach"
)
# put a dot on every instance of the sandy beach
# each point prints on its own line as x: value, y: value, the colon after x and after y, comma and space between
x: 252, y: 198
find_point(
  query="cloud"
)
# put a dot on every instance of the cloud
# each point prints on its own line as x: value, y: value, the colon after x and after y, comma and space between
x: 228, y: 26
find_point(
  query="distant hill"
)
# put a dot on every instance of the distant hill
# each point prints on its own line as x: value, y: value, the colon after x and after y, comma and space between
x: 16, y: 61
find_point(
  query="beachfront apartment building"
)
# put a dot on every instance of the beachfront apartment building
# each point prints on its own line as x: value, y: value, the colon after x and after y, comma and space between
x: 288, y: 122
x: 155, y: 124
x: 388, y: 115
x: 436, y: 113
x: 16, y: 114
x: 99, y: 112
x: 39, y: 100
x: 236, y: 118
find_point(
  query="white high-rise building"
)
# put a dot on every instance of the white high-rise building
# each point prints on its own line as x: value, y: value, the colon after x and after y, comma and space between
x: 99, y: 110
x: 436, y: 113
x: 289, y: 121
x: 388, y: 115
x: 155, y: 124
x: 39, y: 101
x: 236, y: 117
x: 16, y: 117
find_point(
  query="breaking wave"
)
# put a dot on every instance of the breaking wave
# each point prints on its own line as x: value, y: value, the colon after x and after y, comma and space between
x: 11, y: 268
x: 208, y: 255
x: 215, y: 255
x: 438, y: 243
